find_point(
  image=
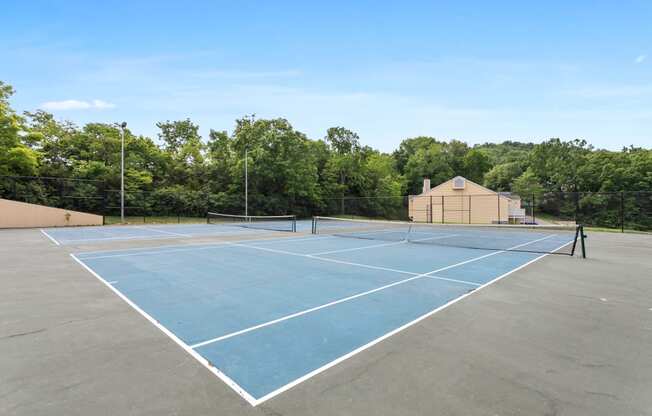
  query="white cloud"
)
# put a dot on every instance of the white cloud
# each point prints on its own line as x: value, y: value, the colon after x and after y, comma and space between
x: 102, y: 105
x: 613, y: 91
x: 639, y: 59
x: 234, y: 74
x: 77, y: 105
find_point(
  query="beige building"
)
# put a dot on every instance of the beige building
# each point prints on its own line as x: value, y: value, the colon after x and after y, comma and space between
x: 460, y: 200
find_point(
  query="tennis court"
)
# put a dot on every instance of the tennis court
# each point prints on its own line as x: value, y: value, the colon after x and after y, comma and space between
x: 265, y: 315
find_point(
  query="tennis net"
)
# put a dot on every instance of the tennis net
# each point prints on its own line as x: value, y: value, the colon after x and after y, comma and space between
x: 553, y: 239
x: 260, y: 222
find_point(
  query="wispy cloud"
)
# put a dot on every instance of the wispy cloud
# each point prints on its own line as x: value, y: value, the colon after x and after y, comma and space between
x: 77, y: 105
x: 613, y: 91
x: 235, y: 74
x: 639, y: 59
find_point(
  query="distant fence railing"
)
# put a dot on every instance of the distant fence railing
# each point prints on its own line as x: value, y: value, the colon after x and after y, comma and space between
x: 626, y: 210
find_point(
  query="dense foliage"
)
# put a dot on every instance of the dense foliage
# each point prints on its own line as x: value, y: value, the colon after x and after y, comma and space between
x: 180, y: 172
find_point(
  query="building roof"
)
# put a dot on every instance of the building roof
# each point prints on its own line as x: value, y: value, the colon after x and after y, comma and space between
x: 489, y: 191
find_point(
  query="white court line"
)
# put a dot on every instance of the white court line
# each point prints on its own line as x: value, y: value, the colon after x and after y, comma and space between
x: 381, y: 245
x: 50, y: 237
x: 348, y: 263
x: 391, y: 333
x: 226, y: 379
x: 131, y: 237
x: 150, y: 237
x: 466, y: 282
x: 357, y: 248
x: 163, y: 232
x: 439, y: 237
x: 187, y: 247
x: 349, y: 298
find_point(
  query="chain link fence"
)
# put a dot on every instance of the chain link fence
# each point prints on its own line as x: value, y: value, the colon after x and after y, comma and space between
x: 623, y: 211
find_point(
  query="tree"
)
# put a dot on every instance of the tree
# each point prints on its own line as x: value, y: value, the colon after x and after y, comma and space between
x: 527, y: 184
x: 501, y: 177
x: 16, y: 158
x: 185, y: 148
x: 346, y: 161
x: 408, y: 147
x: 343, y: 141
x: 455, y: 151
x: 431, y: 162
x: 556, y: 164
x: 282, y: 170
x: 475, y: 164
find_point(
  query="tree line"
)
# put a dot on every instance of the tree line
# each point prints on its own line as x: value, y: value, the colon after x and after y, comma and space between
x: 289, y: 172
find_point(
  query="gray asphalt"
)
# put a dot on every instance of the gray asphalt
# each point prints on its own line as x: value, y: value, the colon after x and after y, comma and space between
x: 563, y: 336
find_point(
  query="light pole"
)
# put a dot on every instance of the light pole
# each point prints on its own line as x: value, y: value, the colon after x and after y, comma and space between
x: 123, y: 126
x: 246, y: 155
x: 246, y: 186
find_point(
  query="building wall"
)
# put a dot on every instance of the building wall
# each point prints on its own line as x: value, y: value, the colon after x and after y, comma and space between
x: 474, y: 204
x: 14, y: 214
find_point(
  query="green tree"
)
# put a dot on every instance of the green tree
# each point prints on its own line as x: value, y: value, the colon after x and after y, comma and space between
x: 455, y: 151
x: 345, y: 163
x: 501, y: 177
x: 16, y: 158
x: 431, y: 162
x: 282, y: 170
x: 527, y: 184
x: 475, y: 164
x: 557, y: 164
x: 342, y: 140
x: 408, y: 147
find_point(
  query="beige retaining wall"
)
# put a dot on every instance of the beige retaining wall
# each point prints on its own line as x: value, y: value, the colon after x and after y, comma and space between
x: 14, y: 214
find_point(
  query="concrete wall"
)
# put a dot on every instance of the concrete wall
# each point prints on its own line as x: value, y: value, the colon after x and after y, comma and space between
x: 474, y: 204
x: 14, y: 214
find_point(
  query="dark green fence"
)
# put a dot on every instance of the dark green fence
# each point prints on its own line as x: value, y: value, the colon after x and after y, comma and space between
x: 612, y: 210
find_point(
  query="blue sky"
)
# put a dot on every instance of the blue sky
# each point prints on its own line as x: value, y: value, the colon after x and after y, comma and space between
x: 474, y: 71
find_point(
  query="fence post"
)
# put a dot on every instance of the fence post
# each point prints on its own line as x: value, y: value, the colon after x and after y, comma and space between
x: 442, y: 209
x: 533, y: 218
x: 498, y: 195
x: 105, y: 198
x: 431, y: 211
x: 469, y: 209
x: 622, y: 211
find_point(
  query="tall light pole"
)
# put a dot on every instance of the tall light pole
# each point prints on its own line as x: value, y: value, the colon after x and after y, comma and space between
x: 246, y: 155
x: 123, y: 126
x: 246, y: 186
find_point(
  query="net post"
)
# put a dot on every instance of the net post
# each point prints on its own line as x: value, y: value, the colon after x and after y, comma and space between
x: 294, y: 224
x: 582, y: 237
x: 577, y: 233
x: 314, y: 225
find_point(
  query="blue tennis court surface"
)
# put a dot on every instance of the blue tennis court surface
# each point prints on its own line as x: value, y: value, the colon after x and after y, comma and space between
x: 265, y: 315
